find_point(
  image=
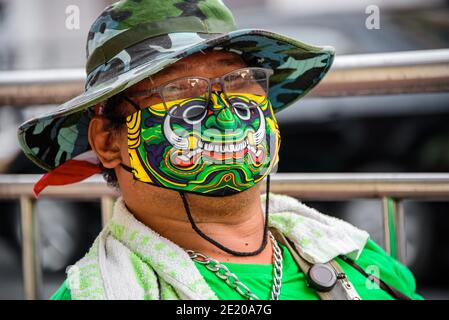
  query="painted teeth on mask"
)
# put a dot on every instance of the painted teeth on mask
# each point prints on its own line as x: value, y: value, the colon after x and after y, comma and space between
x: 228, y: 147
x: 255, y: 150
x: 219, y: 148
x: 259, y: 135
x: 186, y: 156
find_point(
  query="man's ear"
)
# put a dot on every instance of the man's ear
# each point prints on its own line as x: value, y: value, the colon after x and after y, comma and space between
x: 104, y: 142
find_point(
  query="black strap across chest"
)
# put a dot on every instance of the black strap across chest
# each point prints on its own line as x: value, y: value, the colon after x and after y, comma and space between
x: 383, y: 285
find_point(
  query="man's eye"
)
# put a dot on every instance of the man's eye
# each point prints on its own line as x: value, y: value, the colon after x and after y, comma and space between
x: 173, y: 89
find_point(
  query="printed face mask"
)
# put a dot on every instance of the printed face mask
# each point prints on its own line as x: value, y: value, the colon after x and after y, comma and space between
x: 220, y: 150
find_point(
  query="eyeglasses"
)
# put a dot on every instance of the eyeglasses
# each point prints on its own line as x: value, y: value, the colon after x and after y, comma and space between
x: 245, y: 81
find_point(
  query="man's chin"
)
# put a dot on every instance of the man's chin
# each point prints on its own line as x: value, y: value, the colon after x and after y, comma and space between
x: 226, y: 184
x: 235, y: 196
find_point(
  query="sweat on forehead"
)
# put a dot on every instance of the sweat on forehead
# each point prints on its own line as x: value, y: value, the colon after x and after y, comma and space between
x: 209, y: 63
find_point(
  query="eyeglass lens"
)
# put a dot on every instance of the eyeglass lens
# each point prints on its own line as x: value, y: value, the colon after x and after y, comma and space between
x: 247, y: 81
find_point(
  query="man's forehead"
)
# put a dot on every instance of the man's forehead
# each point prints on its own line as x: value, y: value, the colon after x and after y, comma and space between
x: 208, y: 58
x: 195, y: 64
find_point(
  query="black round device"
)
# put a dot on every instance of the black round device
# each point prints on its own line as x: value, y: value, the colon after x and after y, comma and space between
x: 321, y: 277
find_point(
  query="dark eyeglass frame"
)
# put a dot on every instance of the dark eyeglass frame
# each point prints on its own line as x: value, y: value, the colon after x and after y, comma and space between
x: 211, y: 81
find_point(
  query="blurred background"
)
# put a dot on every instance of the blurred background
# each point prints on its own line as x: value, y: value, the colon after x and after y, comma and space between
x: 391, y: 133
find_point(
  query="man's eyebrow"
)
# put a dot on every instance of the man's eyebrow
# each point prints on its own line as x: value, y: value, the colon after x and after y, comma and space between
x: 228, y: 62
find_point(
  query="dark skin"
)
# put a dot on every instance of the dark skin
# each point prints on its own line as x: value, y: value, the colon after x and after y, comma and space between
x: 236, y: 221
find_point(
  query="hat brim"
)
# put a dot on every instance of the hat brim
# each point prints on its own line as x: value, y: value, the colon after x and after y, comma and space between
x: 59, y: 136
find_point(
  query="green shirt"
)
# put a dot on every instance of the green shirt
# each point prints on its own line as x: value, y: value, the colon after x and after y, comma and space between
x: 258, y: 277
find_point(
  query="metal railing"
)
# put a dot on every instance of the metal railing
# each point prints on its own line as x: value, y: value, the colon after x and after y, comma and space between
x: 351, y: 75
x: 391, y: 189
x: 355, y: 75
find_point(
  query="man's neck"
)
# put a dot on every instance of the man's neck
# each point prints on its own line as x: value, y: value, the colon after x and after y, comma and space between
x: 237, y: 222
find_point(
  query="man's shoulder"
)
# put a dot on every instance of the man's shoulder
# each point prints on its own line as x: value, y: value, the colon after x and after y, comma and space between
x: 375, y: 260
x: 318, y: 237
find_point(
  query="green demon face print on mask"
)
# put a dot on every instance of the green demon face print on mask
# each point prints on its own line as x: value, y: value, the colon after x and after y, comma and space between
x: 214, y: 143
x: 217, y: 146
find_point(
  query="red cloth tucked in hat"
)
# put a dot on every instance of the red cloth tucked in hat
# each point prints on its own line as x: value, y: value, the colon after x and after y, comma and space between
x: 72, y: 171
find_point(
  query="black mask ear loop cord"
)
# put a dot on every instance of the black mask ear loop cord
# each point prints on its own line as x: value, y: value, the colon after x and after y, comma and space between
x: 219, y: 245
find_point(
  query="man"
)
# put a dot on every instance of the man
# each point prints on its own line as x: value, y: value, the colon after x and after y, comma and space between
x: 179, y: 114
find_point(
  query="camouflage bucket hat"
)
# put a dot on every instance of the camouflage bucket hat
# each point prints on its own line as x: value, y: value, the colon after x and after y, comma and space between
x: 134, y: 39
